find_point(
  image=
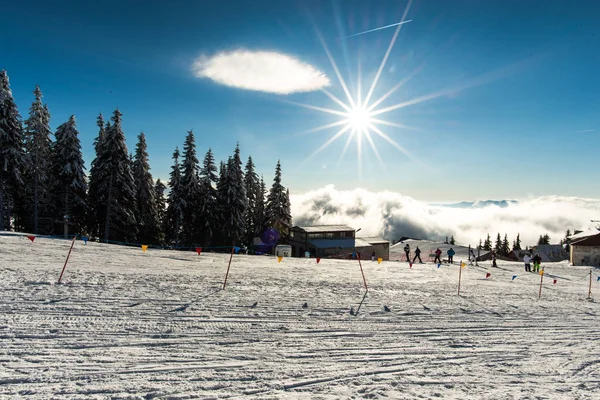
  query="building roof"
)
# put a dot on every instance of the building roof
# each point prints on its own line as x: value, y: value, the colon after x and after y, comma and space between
x: 339, y: 243
x: 593, y: 240
x: 584, y: 234
x: 374, y: 240
x: 324, y: 228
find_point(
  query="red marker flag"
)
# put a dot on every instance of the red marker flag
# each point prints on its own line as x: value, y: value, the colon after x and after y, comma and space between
x: 31, y: 237
x: 198, y: 250
x: 554, y: 283
x: 318, y: 259
x: 487, y: 275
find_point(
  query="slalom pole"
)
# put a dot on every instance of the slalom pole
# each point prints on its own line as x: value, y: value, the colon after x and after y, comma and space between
x: 228, y: 265
x: 541, y: 280
x: 362, y: 272
x: 590, y: 289
x: 459, y: 276
x: 67, y: 260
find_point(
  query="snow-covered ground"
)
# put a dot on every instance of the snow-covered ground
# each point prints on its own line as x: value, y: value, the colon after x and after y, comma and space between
x: 129, y: 324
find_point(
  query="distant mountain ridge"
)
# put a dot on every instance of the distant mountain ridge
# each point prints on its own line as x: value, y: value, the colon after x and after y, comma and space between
x: 479, y: 204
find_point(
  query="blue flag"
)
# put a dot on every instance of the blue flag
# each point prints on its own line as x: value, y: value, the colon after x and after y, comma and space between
x: 439, y: 265
x: 85, y: 240
x: 599, y: 279
x: 514, y: 276
x: 237, y: 249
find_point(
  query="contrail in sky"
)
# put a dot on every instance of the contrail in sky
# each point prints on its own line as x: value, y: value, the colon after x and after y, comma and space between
x: 377, y: 29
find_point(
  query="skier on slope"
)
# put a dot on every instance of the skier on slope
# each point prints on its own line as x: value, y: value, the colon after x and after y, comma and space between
x: 407, y: 252
x: 537, y: 260
x: 527, y: 261
x: 417, y: 255
x: 438, y: 253
x: 451, y: 254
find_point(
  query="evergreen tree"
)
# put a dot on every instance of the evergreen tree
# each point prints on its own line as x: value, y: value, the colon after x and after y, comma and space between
x: 487, y: 245
x: 517, y: 245
x: 190, y: 191
x: 234, y: 224
x: 147, y: 214
x: 70, y: 186
x: 567, y: 240
x: 11, y: 154
x: 161, y: 209
x: 505, y: 247
x: 221, y: 209
x: 480, y: 245
x: 116, y: 189
x: 260, y: 210
x: 174, y: 215
x: 38, y: 160
x: 253, y: 193
x: 208, y: 225
x: 498, y: 244
x: 545, y: 239
x: 277, y: 207
x: 452, y: 242
x: 94, y: 220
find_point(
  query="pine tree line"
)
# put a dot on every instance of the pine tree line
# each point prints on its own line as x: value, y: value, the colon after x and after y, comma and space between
x: 44, y: 188
x: 501, y: 246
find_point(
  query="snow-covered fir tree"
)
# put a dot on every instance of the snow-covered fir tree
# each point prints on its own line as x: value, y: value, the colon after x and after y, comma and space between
x: 93, y: 206
x: 260, y: 219
x: 277, y: 207
x: 146, y: 212
x: 487, y: 245
x: 505, y: 247
x: 116, y: 189
x: 207, y: 223
x: 161, y: 209
x: 11, y: 154
x: 221, y: 209
x: 190, y: 191
x: 234, y: 224
x: 70, y: 186
x: 174, y: 215
x: 252, y: 185
x: 38, y: 173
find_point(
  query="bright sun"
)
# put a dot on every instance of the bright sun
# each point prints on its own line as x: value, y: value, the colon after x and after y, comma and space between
x: 359, y: 118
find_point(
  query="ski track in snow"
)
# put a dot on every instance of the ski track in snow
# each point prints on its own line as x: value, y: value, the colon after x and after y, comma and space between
x: 132, y: 325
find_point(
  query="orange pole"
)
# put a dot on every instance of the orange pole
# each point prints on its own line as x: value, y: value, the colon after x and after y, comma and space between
x: 67, y: 260
x: 459, y: 276
x: 228, y: 265
x: 541, y: 280
x: 590, y: 290
x: 362, y: 272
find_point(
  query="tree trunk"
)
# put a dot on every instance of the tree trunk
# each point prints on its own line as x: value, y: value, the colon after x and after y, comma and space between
x: 35, y: 192
x: 108, y: 207
x: 1, y: 203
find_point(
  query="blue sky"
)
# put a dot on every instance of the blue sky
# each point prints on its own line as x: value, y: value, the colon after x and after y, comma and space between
x: 518, y: 111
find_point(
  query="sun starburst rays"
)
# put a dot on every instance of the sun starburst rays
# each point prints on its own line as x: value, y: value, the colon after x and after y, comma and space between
x: 357, y: 116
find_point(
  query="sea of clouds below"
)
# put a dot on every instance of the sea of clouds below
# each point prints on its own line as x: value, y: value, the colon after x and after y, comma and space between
x: 393, y: 215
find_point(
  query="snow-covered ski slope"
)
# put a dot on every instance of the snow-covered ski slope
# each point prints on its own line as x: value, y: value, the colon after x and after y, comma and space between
x: 127, y: 324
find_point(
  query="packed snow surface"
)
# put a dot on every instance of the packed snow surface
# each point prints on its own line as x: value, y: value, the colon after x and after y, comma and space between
x: 128, y: 324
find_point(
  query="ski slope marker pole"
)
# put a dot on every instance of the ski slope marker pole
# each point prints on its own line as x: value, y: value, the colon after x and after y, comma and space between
x: 228, y: 265
x: 541, y: 280
x: 362, y: 272
x: 459, y: 276
x: 590, y: 289
x: 67, y: 260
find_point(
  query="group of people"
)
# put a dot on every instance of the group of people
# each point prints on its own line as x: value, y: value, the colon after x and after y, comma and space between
x: 537, y: 261
x: 437, y: 253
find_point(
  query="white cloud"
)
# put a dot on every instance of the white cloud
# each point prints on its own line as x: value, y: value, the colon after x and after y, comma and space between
x: 263, y: 71
x: 393, y: 215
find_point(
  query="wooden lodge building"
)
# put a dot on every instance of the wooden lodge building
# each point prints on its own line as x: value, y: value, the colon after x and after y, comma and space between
x: 335, y: 241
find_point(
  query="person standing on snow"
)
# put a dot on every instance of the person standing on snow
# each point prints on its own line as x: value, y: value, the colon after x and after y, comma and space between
x: 417, y: 255
x: 527, y: 261
x: 537, y: 260
x: 438, y: 253
x: 451, y: 254
x: 407, y: 252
